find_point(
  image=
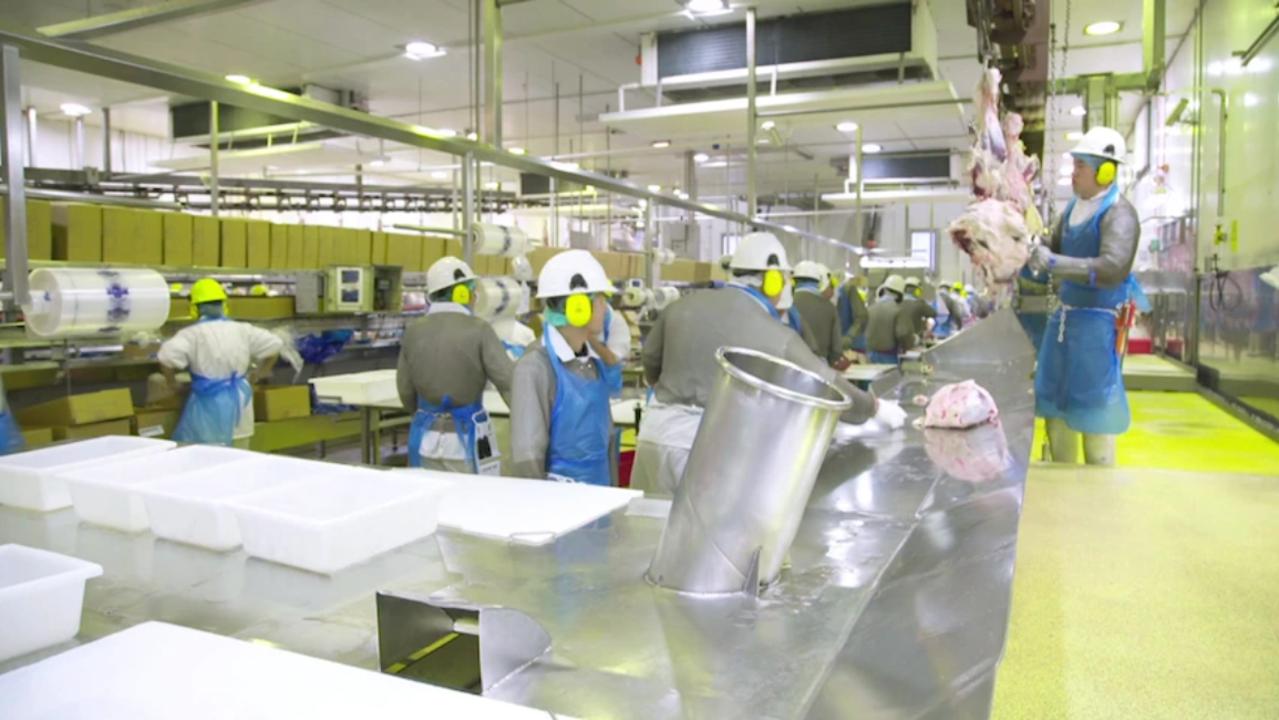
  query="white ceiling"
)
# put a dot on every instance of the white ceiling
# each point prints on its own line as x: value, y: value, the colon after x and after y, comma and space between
x: 586, y: 46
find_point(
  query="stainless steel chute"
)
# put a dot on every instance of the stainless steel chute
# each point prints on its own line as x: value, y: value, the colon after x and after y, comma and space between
x: 752, y: 467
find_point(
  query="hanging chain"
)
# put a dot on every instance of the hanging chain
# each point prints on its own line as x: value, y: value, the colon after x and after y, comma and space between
x: 1053, y: 119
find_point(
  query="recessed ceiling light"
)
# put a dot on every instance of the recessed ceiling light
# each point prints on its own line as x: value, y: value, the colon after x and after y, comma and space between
x: 75, y: 109
x: 1079, y: 111
x: 847, y: 126
x: 705, y: 8
x: 659, y: 144
x: 1075, y: 135
x: 767, y: 125
x: 871, y: 148
x: 439, y: 175
x: 239, y: 79
x: 701, y: 157
x: 1103, y: 27
x: 516, y: 150
x: 422, y: 50
x: 654, y: 188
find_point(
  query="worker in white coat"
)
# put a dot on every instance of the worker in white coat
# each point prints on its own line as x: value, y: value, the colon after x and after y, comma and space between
x: 813, y: 293
x: 679, y: 359
x: 1079, y: 385
x: 225, y: 359
x: 561, y: 420
x: 446, y: 360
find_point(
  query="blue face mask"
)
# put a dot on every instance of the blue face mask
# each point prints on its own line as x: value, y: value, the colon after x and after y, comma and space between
x: 211, y: 310
x: 554, y: 318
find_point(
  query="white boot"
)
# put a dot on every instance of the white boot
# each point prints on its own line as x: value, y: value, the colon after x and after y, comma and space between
x: 1063, y: 442
x: 1099, y: 450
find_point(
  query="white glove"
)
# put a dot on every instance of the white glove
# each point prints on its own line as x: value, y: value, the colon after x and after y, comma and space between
x: 890, y: 414
x: 1040, y: 259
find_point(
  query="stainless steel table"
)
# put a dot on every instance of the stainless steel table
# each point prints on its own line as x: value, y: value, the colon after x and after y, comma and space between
x: 895, y: 603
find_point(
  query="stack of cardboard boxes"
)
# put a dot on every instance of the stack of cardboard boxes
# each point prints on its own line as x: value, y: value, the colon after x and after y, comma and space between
x: 82, y: 416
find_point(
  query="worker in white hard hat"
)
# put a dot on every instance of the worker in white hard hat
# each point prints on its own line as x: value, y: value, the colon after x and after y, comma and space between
x: 850, y: 303
x: 225, y: 359
x: 813, y: 293
x: 916, y: 317
x: 11, y: 440
x: 1079, y: 386
x: 882, y: 331
x: 561, y: 423
x: 613, y: 345
x: 446, y: 360
x: 679, y: 359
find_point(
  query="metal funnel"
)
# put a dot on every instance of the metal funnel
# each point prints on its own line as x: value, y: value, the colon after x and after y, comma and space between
x: 761, y: 442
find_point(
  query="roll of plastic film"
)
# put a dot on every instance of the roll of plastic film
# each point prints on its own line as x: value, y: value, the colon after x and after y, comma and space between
x: 499, y: 297
x: 68, y: 302
x: 664, y: 296
x: 634, y: 297
x: 662, y: 256
x: 491, y: 239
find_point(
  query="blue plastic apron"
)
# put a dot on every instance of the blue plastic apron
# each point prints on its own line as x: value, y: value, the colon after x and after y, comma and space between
x: 473, y: 430
x: 515, y: 349
x: 846, y: 319
x: 581, y: 425
x: 213, y: 409
x: 612, y: 374
x: 1079, y: 378
x: 1032, y: 284
x: 11, y: 440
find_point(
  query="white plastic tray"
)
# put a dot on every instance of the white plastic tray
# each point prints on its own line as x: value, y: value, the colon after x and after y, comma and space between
x: 530, y: 512
x: 30, y: 479
x: 41, y: 595
x: 107, y: 493
x: 340, y: 520
x: 156, y: 671
x: 193, y: 508
x: 375, y: 387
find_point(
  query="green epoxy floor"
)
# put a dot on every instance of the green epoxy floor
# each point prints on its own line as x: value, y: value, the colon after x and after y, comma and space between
x: 1150, y: 590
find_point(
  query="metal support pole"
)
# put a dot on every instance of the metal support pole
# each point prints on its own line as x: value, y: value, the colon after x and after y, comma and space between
x: 859, y: 223
x: 751, y: 188
x: 1154, y: 21
x: 106, y: 141
x: 491, y: 18
x: 15, y: 215
x: 691, y: 235
x: 555, y: 206
x: 468, y: 208
x: 78, y: 161
x: 33, y: 136
x: 215, y: 196
x: 457, y: 214
x: 651, y: 244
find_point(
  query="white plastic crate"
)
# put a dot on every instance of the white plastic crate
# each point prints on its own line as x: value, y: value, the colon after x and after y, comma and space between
x: 41, y: 596
x: 193, y: 509
x: 339, y: 520
x: 375, y: 387
x: 527, y: 512
x: 107, y: 493
x: 31, y: 479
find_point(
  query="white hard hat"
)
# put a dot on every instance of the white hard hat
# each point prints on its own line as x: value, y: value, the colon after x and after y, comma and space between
x: 570, y: 272
x: 912, y: 281
x: 760, y: 251
x: 445, y: 273
x: 810, y: 270
x: 895, y: 283
x: 1102, y: 142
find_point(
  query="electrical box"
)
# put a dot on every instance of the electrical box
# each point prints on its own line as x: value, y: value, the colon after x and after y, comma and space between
x: 348, y: 289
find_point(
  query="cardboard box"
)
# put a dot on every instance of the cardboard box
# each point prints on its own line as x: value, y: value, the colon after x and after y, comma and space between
x: 132, y: 236
x: 281, y: 402
x: 178, y: 229
x: 122, y: 426
x: 206, y: 241
x: 79, y: 409
x: 537, y: 257
x: 155, y: 423
x: 296, y: 259
x: 682, y: 270
x: 279, y: 259
x: 311, y: 246
x: 37, y: 437
x: 453, y: 246
x: 404, y: 250
x: 328, y: 246
x: 260, y: 308
x: 378, y: 255
x: 77, y: 232
x: 179, y: 308
x: 235, y: 243
x: 702, y: 272
x: 258, y: 239
x: 433, y: 249
x: 636, y: 266
x: 361, y: 248
x: 39, y: 229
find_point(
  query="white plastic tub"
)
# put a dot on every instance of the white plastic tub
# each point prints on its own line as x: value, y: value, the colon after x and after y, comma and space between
x: 338, y: 521
x: 375, y: 387
x: 41, y: 595
x: 107, y: 493
x: 193, y: 509
x: 30, y: 479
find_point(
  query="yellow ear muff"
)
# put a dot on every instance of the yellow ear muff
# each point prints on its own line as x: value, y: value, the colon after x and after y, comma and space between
x: 774, y: 283
x: 577, y: 308
x: 461, y: 294
x: 1106, y: 172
